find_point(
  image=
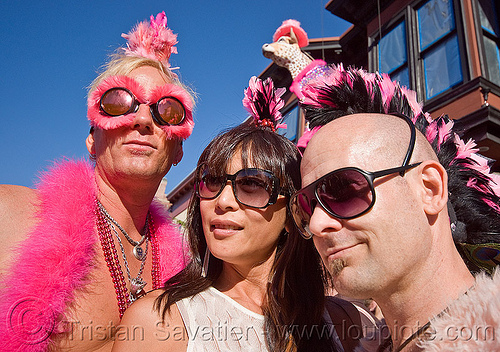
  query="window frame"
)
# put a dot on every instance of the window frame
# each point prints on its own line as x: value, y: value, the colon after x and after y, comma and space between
x: 415, y: 56
x: 480, y: 34
x: 285, y: 111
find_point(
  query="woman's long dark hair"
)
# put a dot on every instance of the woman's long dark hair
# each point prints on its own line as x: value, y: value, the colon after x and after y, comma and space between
x: 296, y: 289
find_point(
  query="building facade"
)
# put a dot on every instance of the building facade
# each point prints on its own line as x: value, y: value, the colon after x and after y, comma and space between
x: 448, y: 51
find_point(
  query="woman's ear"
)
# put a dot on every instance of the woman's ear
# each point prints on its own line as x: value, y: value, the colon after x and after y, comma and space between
x: 434, y: 187
x: 287, y: 227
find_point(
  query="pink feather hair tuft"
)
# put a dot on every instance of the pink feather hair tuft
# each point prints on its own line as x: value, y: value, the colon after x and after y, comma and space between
x: 264, y: 102
x: 320, y: 87
x: 284, y: 30
x: 306, y: 137
x: 154, y: 40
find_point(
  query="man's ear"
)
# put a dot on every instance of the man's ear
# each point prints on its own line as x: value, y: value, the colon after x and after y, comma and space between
x: 434, y: 187
x: 178, y: 154
x: 90, y: 143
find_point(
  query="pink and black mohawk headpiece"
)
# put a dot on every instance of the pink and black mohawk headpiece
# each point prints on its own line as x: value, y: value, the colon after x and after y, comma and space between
x: 329, y: 92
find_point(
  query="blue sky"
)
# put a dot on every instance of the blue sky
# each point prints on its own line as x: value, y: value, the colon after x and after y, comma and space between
x: 51, y: 51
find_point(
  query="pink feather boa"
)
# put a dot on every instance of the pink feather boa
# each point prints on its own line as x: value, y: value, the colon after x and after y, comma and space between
x: 472, y: 322
x: 58, y: 255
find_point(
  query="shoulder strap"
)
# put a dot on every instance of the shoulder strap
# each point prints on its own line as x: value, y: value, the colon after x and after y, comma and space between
x: 346, y: 320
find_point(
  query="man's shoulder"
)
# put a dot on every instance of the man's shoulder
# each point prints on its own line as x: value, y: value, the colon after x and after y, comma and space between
x: 160, y: 333
x: 15, y: 193
x: 18, y: 205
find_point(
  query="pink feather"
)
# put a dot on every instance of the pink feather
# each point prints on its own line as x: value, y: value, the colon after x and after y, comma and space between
x: 495, y: 183
x: 314, y: 72
x: 387, y: 88
x: 465, y: 150
x: 155, y: 40
x: 439, y: 128
x: 56, y: 259
x: 411, y: 96
x: 101, y: 120
x: 444, y: 132
x: 481, y: 164
x: 264, y: 102
x: 170, y: 246
x: 306, y: 137
x: 431, y: 132
x: 284, y: 30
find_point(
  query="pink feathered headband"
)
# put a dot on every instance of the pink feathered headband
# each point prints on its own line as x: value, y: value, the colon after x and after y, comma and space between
x: 104, y: 121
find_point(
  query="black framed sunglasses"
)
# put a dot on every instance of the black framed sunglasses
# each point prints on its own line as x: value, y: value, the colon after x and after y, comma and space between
x: 121, y: 101
x: 346, y: 193
x: 253, y: 187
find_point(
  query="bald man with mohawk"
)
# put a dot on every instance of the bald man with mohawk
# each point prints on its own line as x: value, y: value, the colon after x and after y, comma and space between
x: 400, y: 209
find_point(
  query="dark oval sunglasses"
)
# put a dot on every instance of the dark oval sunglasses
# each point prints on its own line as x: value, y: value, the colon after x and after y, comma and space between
x: 344, y: 193
x: 121, y: 101
x: 253, y: 187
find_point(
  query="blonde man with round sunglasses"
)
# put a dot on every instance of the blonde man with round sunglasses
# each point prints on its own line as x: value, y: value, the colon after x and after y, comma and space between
x: 90, y: 240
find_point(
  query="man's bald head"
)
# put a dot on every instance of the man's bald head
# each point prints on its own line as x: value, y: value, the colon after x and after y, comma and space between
x: 367, y: 141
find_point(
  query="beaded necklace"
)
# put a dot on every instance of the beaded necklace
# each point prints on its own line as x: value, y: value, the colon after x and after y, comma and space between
x: 104, y: 231
x: 138, y: 252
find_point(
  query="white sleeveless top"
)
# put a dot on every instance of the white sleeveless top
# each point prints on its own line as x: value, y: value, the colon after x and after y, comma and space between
x: 216, y: 322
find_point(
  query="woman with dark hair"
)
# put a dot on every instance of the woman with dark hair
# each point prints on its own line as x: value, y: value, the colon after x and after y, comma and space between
x: 253, y: 283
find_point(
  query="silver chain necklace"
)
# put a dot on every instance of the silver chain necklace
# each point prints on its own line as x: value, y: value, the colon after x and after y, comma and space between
x: 137, y: 283
x: 138, y: 252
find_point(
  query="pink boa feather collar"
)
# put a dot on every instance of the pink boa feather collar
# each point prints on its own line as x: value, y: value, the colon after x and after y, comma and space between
x: 472, y: 322
x: 58, y: 255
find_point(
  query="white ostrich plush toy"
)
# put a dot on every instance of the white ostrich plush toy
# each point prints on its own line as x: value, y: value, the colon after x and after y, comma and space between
x: 285, y: 50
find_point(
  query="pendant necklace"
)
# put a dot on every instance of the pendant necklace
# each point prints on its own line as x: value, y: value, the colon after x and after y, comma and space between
x: 137, y: 283
x: 137, y: 251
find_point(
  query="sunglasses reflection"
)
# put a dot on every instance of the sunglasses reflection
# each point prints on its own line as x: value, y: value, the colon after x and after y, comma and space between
x: 253, y: 187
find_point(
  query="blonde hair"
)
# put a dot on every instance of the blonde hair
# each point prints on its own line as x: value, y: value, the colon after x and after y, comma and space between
x: 121, y: 65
